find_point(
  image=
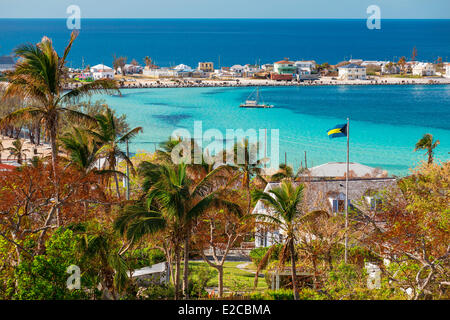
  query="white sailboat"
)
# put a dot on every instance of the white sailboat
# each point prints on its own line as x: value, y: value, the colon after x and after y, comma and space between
x: 254, y: 103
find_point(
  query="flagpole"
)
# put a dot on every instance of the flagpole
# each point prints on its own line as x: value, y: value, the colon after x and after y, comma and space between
x: 346, y: 192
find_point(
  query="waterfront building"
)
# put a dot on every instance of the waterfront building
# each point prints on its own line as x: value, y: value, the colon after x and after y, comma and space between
x: 237, y: 70
x: 7, y: 64
x: 305, y: 66
x: 447, y: 70
x: 390, y: 68
x: 352, y: 72
x: 206, y: 66
x: 285, y: 67
x: 161, y: 73
x: 423, y: 69
x: 100, y: 71
x: 267, y: 67
x: 132, y: 69
x: 356, y: 61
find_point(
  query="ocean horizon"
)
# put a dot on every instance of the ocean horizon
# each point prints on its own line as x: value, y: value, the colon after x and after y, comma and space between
x: 234, y: 41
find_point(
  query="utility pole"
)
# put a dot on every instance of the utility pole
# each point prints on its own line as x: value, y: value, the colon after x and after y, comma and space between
x: 346, y: 192
x: 128, y: 175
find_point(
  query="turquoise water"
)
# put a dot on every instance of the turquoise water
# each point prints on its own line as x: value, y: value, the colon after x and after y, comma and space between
x: 385, y: 121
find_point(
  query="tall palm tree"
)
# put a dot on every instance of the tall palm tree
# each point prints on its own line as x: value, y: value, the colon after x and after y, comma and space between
x: 98, y: 249
x: 82, y: 153
x: 40, y: 77
x: 427, y: 143
x: 17, y: 151
x: 247, y: 165
x: 179, y: 201
x: 284, y: 214
x: 109, y: 142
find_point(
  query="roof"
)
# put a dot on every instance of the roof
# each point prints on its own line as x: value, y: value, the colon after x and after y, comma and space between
x: 7, y: 60
x: 102, y: 67
x: 352, y: 66
x: 339, y: 169
x: 285, y: 61
x: 156, y: 268
x: 317, y: 192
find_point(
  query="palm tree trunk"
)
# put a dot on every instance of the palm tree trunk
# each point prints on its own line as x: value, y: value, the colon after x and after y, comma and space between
x: 117, y: 184
x: 293, y: 268
x: 52, y: 129
x: 186, y: 267
x: 177, y: 273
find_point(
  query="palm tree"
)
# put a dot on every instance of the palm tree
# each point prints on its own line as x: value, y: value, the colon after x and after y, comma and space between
x: 427, y: 143
x: 108, y: 140
x: 284, y: 172
x: 17, y: 151
x: 40, y: 77
x: 82, y: 153
x: 284, y: 214
x: 172, y: 195
x: 98, y: 249
x: 247, y: 165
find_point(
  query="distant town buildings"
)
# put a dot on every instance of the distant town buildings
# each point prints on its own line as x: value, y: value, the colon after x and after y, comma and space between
x: 352, y: 72
x: 100, y: 71
x: 206, y: 66
x: 447, y: 70
x: 423, y: 69
x: 285, y: 67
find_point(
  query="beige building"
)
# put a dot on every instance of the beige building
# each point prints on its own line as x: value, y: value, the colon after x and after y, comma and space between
x: 206, y: 66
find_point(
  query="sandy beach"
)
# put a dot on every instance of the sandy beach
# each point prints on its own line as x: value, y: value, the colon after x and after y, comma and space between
x: 42, y: 150
x: 142, y: 82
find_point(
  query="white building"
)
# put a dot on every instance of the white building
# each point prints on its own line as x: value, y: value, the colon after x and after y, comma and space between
x: 352, y: 72
x: 161, y: 73
x: 183, y: 68
x: 423, y: 69
x: 7, y: 64
x: 447, y: 70
x: 237, y: 70
x: 305, y: 66
x: 100, y: 71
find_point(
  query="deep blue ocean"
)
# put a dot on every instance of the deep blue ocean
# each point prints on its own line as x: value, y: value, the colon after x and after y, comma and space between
x: 234, y: 41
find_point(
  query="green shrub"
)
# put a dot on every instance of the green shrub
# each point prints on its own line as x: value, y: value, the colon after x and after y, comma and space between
x: 154, y: 292
x: 282, y: 294
x: 45, y: 277
x: 311, y: 294
x: 199, y: 276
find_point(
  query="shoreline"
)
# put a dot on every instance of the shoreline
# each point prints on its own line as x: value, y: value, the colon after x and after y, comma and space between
x: 243, y: 82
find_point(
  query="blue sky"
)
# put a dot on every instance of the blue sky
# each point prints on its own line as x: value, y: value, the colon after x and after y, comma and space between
x: 390, y: 9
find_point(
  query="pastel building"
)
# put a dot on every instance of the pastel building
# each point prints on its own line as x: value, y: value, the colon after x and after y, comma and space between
x: 352, y: 72
x: 100, y: 71
x: 423, y: 69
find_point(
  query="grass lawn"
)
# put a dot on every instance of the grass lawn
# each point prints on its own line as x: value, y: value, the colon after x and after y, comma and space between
x: 234, y: 279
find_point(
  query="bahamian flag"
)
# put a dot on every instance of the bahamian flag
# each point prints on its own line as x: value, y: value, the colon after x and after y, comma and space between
x: 338, y: 131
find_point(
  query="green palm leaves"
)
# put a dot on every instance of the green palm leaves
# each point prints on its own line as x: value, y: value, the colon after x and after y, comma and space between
x: 427, y: 143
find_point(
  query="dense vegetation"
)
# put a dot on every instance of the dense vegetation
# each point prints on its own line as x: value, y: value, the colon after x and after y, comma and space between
x: 71, y: 210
